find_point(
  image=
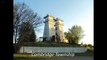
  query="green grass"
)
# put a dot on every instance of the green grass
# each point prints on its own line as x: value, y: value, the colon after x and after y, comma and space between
x: 28, y: 56
x: 88, y: 53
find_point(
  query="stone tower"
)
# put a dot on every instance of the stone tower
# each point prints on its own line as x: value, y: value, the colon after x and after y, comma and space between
x: 59, y: 30
x: 49, y: 29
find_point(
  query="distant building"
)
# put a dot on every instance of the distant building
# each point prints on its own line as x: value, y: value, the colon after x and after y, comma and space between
x: 53, y: 27
x: 40, y: 39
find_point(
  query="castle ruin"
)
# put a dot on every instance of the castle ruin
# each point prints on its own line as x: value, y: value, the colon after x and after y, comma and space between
x: 53, y: 27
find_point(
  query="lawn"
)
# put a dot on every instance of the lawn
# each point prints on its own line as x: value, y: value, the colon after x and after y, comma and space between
x: 27, y: 56
x: 88, y: 53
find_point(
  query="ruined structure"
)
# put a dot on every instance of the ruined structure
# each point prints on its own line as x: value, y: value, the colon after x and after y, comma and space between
x: 49, y: 29
x: 53, y: 27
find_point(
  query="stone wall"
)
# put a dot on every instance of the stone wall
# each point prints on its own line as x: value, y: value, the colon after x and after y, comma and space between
x: 26, y: 49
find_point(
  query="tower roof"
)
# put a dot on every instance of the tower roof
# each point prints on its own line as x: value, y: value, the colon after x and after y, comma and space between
x: 48, y: 15
x: 58, y: 19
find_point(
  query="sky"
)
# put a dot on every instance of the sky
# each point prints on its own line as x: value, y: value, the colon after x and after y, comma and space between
x: 72, y: 12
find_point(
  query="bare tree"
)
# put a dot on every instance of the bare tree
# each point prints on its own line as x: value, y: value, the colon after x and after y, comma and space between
x: 22, y: 13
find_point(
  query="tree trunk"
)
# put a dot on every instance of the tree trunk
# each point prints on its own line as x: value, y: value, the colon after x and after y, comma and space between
x: 16, y: 36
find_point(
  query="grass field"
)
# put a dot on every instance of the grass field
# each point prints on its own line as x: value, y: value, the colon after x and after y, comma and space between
x: 88, y: 53
x: 29, y: 56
